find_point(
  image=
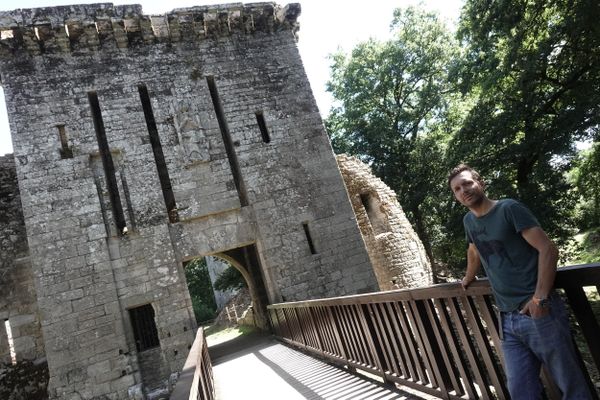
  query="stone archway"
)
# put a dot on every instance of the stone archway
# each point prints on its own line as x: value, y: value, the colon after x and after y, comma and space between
x: 123, y: 180
x: 245, y: 259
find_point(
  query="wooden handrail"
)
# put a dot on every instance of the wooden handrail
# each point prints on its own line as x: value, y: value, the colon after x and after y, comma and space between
x: 441, y: 339
x: 196, y: 379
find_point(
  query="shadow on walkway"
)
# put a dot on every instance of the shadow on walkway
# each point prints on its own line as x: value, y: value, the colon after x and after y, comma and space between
x: 259, y: 367
x: 239, y: 346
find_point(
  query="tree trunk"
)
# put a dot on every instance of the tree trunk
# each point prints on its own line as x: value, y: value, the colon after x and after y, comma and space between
x: 524, y: 169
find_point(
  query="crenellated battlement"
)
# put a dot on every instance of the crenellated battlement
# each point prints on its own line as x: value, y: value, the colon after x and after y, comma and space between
x: 91, y: 27
x: 142, y: 142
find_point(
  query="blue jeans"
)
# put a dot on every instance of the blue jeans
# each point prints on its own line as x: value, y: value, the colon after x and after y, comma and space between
x: 528, y: 343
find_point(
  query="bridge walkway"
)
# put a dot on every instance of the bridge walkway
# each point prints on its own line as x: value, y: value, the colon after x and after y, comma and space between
x: 258, y: 367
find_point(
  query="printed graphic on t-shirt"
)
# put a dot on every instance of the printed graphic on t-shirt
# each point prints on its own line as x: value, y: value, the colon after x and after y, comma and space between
x: 488, y: 247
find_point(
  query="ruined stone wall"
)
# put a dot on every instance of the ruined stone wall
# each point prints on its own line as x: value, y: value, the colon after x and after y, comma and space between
x: 396, y: 252
x: 17, y: 294
x: 216, y: 267
x: 227, y: 150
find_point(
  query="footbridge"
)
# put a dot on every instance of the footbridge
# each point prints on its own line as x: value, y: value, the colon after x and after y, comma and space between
x: 433, y: 342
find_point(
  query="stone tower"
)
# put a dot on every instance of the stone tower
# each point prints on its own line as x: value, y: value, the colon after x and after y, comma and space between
x: 396, y: 252
x: 142, y: 142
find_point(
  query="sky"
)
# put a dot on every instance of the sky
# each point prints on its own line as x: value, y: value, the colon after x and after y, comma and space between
x: 325, y: 26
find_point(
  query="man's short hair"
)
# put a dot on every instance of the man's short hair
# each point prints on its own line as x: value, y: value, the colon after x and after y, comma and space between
x: 463, y: 167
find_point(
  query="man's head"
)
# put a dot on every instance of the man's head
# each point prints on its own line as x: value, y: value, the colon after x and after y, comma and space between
x: 466, y: 185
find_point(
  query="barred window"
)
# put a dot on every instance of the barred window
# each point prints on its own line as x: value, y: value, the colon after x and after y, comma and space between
x: 144, y: 327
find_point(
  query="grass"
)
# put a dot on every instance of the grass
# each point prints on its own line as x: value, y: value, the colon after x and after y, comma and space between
x: 219, y: 334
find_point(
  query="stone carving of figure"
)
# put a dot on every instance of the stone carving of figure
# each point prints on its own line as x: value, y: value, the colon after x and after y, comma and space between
x: 190, y: 132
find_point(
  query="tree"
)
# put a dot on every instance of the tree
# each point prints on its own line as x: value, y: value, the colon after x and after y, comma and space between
x: 200, y: 288
x: 394, y: 111
x: 230, y: 279
x: 586, y: 177
x: 535, y: 69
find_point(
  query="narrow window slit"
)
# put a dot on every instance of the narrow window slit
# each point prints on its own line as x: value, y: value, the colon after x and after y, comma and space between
x: 103, y: 209
x: 11, y: 342
x: 145, y: 332
x: 262, y: 125
x: 65, y: 150
x: 127, y: 200
x: 374, y: 214
x: 107, y: 163
x: 311, y: 245
x: 41, y: 43
x: 159, y: 157
x: 6, y: 34
x: 228, y: 142
x: 364, y: 199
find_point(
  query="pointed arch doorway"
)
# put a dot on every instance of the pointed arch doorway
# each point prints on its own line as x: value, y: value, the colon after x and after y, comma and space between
x: 245, y: 259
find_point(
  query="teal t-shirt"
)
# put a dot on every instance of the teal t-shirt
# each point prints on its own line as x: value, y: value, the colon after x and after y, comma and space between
x: 510, y: 262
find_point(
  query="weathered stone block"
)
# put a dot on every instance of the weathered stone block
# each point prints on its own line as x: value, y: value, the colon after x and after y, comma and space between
x: 168, y: 163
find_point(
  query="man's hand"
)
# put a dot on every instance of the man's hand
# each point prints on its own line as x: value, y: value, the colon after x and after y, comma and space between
x: 547, y: 258
x: 535, y: 311
x: 466, y: 281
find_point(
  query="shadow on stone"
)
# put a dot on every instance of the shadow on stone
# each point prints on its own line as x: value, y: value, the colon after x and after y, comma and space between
x: 25, y: 380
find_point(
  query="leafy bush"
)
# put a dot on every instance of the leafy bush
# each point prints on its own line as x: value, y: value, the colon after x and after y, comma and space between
x: 202, y: 311
x: 201, y: 291
x: 230, y: 279
x: 589, y: 251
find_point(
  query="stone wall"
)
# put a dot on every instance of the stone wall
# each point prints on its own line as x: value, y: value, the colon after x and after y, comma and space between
x: 396, y: 252
x: 215, y: 268
x: 28, y: 377
x: 17, y: 293
x: 143, y: 142
x: 25, y: 380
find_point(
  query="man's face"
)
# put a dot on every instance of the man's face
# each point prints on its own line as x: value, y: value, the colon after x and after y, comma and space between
x: 467, y: 190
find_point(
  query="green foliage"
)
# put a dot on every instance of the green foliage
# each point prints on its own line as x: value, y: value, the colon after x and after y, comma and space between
x: 512, y: 104
x: 590, y: 248
x: 396, y: 110
x: 202, y: 311
x: 535, y: 66
x: 586, y: 177
x: 230, y: 279
x: 24, y: 380
x: 200, y: 288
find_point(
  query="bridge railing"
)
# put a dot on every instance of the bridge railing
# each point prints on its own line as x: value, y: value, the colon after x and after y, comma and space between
x: 196, y: 379
x: 440, y: 340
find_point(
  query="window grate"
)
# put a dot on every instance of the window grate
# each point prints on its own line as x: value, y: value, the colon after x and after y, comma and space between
x: 144, y: 327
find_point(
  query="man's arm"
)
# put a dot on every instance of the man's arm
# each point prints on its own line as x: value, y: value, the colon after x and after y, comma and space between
x: 547, y: 259
x: 473, y: 265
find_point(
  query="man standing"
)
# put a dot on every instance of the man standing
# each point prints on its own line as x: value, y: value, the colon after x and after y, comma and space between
x: 520, y: 262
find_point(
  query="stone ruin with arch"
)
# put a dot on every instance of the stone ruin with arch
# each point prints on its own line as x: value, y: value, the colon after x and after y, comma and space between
x: 142, y: 142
